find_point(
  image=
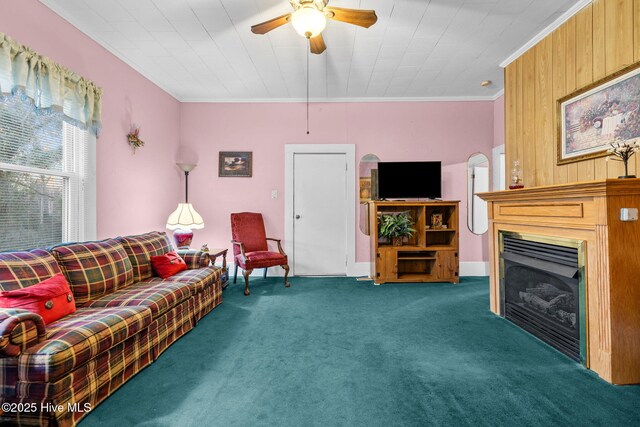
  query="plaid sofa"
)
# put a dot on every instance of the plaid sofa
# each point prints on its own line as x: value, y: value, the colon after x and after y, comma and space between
x: 125, y: 318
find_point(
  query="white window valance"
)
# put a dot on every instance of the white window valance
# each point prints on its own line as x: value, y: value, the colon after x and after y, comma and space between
x: 50, y: 86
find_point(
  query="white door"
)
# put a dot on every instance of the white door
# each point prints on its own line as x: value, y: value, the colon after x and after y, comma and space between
x: 320, y: 214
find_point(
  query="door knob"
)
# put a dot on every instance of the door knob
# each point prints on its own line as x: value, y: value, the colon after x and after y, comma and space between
x: 297, y: 216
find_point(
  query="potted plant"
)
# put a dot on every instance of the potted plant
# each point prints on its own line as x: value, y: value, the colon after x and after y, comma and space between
x: 396, y: 226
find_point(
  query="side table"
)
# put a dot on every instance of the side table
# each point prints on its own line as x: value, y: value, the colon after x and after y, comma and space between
x: 215, y: 253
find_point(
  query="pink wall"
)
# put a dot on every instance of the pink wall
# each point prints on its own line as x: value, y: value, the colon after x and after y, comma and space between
x: 498, y: 121
x: 135, y: 192
x: 454, y: 187
x: 446, y: 131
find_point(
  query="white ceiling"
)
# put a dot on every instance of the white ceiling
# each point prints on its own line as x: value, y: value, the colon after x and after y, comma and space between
x: 203, y: 50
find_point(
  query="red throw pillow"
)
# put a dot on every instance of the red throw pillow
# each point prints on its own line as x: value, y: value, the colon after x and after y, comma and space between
x: 51, y: 299
x: 168, y: 264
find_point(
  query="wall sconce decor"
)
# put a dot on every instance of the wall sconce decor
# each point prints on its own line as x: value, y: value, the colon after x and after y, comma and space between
x: 133, y: 138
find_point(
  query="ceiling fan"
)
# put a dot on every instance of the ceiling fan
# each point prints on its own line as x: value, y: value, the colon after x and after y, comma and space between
x: 309, y: 19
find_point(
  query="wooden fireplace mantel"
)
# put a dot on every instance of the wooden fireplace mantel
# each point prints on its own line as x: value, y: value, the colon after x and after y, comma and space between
x: 587, y: 211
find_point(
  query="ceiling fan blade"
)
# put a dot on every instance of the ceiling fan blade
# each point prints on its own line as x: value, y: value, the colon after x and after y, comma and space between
x: 363, y: 18
x: 271, y: 24
x: 316, y: 44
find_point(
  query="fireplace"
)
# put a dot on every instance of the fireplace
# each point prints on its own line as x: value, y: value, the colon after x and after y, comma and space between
x: 543, y: 289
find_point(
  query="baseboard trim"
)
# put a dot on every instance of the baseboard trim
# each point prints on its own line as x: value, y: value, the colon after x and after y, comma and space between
x: 258, y: 272
x: 475, y: 268
x: 362, y: 269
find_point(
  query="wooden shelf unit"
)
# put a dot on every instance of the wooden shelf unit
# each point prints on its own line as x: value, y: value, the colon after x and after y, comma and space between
x: 431, y: 255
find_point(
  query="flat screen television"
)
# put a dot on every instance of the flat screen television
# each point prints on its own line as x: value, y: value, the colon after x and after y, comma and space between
x: 409, y: 180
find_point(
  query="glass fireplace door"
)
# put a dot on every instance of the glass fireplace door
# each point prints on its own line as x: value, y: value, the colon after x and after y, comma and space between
x: 543, y: 289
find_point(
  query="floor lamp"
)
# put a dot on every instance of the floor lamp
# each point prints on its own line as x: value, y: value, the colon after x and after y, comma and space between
x: 185, y: 218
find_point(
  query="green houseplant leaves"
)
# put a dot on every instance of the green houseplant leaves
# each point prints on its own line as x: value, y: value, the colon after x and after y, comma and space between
x: 396, y: 226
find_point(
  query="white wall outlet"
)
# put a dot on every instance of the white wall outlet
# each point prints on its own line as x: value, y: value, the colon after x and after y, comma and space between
x: 274, y: 194
x: 628, y: 214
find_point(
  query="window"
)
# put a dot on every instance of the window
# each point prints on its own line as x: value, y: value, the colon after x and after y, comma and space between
x: 47, y: 178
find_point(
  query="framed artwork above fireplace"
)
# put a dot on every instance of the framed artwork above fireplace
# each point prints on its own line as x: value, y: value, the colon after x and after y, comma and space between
x: 596, y: 115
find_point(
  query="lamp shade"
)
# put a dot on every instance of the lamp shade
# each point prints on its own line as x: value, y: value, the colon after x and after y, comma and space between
x: 185, y: 217
x: 186, y: 167
x: 308, y: 21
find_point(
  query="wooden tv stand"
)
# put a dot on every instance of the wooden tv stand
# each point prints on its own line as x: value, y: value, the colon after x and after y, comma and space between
x: 431, y: 255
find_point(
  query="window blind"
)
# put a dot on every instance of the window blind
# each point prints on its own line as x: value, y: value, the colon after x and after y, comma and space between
x: 31, y: 210
x: 43, y: 163
x: 30, y: 139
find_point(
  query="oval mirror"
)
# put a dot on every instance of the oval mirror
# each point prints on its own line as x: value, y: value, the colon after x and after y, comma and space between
x: 368, y: 187
x: 477, y: 182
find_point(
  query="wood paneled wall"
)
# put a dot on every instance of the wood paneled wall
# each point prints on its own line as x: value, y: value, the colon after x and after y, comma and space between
x: 600, y: 39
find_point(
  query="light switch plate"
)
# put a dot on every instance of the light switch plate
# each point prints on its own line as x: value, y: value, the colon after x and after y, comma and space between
x: 628, y: 214
x: 274, y: 194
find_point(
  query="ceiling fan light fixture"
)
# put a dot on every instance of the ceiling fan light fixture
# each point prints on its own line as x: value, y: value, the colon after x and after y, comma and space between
x: 308, y: 21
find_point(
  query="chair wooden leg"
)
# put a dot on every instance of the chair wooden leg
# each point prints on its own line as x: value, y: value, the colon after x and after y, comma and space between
x: 235, y: 273
x: 264, y: 276
x: 246, y: 274
x: 286, y: 274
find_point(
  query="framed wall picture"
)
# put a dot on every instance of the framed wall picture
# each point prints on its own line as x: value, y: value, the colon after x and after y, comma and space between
x: 591, y: 118
x: 235, y: 163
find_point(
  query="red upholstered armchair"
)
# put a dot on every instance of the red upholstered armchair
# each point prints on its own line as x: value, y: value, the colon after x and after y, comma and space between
x: 250, y: 249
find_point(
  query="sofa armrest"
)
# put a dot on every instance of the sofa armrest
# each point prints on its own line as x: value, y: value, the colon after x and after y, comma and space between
x: 194, y: 258
x: 19, y: 329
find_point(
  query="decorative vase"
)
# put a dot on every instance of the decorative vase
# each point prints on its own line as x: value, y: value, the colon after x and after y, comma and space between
x: 516, y: 176
x: 397, y: 241
x: 183, y: 238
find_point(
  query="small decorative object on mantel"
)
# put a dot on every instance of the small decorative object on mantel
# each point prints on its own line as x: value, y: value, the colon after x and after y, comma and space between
x: 205, y: 248
x: 624, y: 150
x: 516, y: 176
x: 396, y: 226
x: 134, y: 138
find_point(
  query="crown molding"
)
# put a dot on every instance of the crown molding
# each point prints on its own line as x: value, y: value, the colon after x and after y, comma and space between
x: 545, y: 32
x: 85, y: 30
x: 343, y: 100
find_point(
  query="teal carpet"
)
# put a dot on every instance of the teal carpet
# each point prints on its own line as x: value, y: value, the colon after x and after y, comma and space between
x: 338, y: 352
